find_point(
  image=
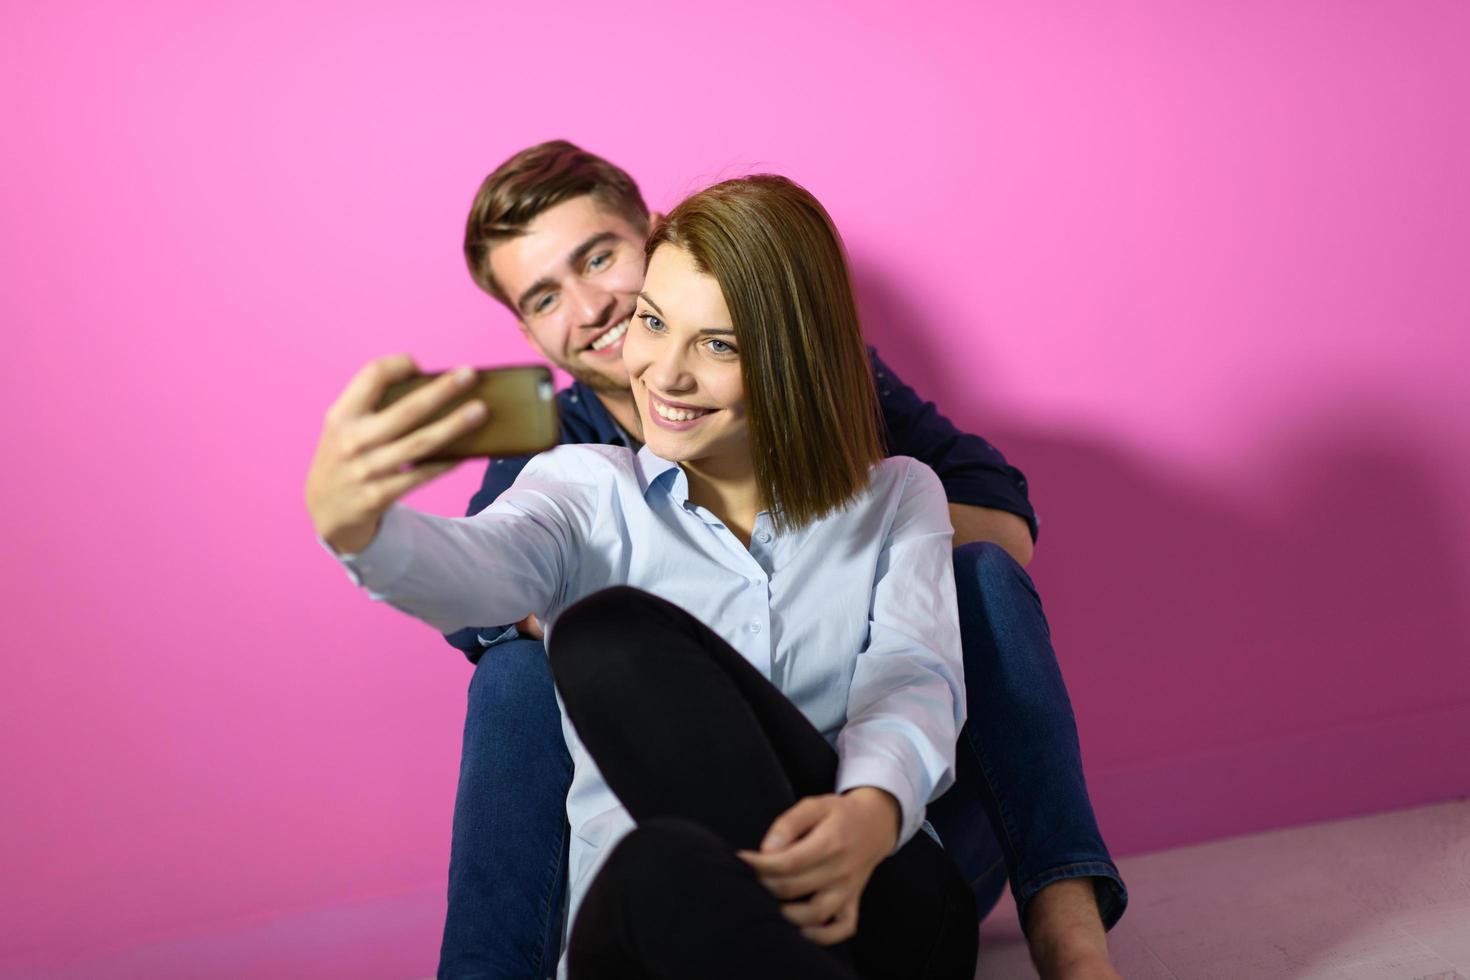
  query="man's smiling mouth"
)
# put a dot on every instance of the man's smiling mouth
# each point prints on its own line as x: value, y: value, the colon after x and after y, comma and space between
x: 609, y: 336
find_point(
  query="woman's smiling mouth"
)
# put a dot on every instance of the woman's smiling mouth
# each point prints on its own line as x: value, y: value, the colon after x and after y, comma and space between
x: 669, y: 415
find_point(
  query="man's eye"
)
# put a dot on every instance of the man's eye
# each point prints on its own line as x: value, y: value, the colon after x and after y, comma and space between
x: 598, y: 262
x: 652, y: 322
x: 544, y: 303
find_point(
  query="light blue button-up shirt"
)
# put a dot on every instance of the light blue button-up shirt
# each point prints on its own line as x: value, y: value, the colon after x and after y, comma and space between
x: 852, y: 617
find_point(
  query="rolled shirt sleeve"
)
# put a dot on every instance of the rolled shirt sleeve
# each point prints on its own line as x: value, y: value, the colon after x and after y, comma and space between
x: 906, y: 703
x: 972, y: 471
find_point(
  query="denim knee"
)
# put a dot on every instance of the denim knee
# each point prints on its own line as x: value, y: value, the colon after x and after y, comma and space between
x: 507, y: 674
x: 983, y: 569
x: 1004, y: 635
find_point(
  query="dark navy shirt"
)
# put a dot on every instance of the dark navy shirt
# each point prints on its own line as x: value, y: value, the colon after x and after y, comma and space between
x: 973, y: 471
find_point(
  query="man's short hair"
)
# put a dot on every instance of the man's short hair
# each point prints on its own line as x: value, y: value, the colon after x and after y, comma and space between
x: 535, y: 179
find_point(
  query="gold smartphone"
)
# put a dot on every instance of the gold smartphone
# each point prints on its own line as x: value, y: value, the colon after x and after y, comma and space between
x: 520, y: 412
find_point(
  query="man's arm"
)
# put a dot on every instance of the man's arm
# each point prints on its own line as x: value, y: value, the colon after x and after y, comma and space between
x: 1008, y: 530
x: 988, y: 497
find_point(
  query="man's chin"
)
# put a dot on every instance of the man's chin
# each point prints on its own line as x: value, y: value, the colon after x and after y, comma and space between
x: 607, y: 384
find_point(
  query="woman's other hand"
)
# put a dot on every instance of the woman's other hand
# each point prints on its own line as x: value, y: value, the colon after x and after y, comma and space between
x: 367, y: 459
x: 817, y: 858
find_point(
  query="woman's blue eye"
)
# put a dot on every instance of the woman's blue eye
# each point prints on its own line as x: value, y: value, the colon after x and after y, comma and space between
x: 723, y: 347
x: 651, y: 322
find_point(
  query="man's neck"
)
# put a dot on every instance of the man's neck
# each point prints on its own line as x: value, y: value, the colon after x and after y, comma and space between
x: 624, y: 412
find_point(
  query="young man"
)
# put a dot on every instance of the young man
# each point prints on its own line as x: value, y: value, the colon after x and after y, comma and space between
x: 556, y: 234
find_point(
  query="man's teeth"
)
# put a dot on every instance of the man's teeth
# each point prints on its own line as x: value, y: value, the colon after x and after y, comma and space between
x: 677, y: 414
x: 611, y: 337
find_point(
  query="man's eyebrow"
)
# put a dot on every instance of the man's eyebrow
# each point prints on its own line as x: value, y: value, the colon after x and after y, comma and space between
x: 578, y: 254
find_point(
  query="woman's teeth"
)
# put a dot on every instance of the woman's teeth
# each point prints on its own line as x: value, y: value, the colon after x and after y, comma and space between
x: 677, y: 414
x: 611, y: 337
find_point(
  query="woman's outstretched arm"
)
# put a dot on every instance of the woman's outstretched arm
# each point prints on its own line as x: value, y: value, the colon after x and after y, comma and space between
x: 504, y: 563
x: 498, y: 566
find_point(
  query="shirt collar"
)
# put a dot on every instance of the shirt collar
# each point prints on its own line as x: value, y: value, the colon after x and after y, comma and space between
x: 655, y: 470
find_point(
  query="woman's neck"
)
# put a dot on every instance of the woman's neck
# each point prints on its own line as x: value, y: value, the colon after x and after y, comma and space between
x: 727, y: 489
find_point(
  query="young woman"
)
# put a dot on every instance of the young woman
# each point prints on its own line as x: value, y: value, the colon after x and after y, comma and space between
x: 751, y: 621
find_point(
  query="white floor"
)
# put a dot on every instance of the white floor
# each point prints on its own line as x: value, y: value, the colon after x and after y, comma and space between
x: 1383, y: 897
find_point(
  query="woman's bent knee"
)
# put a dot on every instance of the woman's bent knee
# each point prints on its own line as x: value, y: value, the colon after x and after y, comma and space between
x: 580, y: 638
x: 673, y: 863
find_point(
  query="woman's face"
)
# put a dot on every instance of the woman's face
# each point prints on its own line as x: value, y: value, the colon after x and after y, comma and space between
x: 683, y: 365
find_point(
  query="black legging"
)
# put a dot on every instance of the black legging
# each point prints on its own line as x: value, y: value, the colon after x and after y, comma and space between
x: 705, y: 753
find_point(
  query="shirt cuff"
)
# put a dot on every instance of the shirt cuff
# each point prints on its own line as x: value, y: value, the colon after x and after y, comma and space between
x: 384, y: 559
x: 886, y: 775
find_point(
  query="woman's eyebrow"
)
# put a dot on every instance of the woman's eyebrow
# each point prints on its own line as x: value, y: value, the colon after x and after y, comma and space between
x: 707, y: 330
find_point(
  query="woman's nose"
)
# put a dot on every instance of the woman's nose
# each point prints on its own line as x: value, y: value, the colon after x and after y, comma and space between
x: 669, y: 372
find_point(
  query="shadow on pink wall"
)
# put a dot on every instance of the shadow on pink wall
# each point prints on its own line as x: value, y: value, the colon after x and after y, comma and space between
x: 1236, y: 669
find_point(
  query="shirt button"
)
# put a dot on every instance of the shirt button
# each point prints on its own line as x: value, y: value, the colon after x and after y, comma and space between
x: 755, y: 627
x: 763, y: 537
x: 755, y: 583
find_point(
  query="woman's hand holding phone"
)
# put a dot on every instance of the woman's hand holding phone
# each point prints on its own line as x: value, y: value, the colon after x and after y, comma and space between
x: 817, y: 858
x: 366, y: 459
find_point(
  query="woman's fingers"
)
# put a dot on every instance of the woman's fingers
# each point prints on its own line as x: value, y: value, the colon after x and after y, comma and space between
x: 817, y: 910
x: 842, y: 927
x: 805, y: 882
x: 803, y: 823
x: 398, y: 484
x: 800, y: 817
x: 408, y: 414
x: 354, y: 477
x: 422, y: 442
x: 366, y: 388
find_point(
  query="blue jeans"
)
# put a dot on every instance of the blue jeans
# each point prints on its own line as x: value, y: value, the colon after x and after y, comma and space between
x: 1019, y: 803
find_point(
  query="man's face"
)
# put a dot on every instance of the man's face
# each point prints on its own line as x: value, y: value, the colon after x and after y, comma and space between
x: 684, y: 366
x: 573, y: 277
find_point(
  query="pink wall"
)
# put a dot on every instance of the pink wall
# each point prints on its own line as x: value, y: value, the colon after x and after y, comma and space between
x: 1201, y: 274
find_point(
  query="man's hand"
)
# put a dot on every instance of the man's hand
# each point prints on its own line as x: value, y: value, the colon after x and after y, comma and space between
x: 817, y: 858
x: 531, y: 627
x: 365, y: 459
